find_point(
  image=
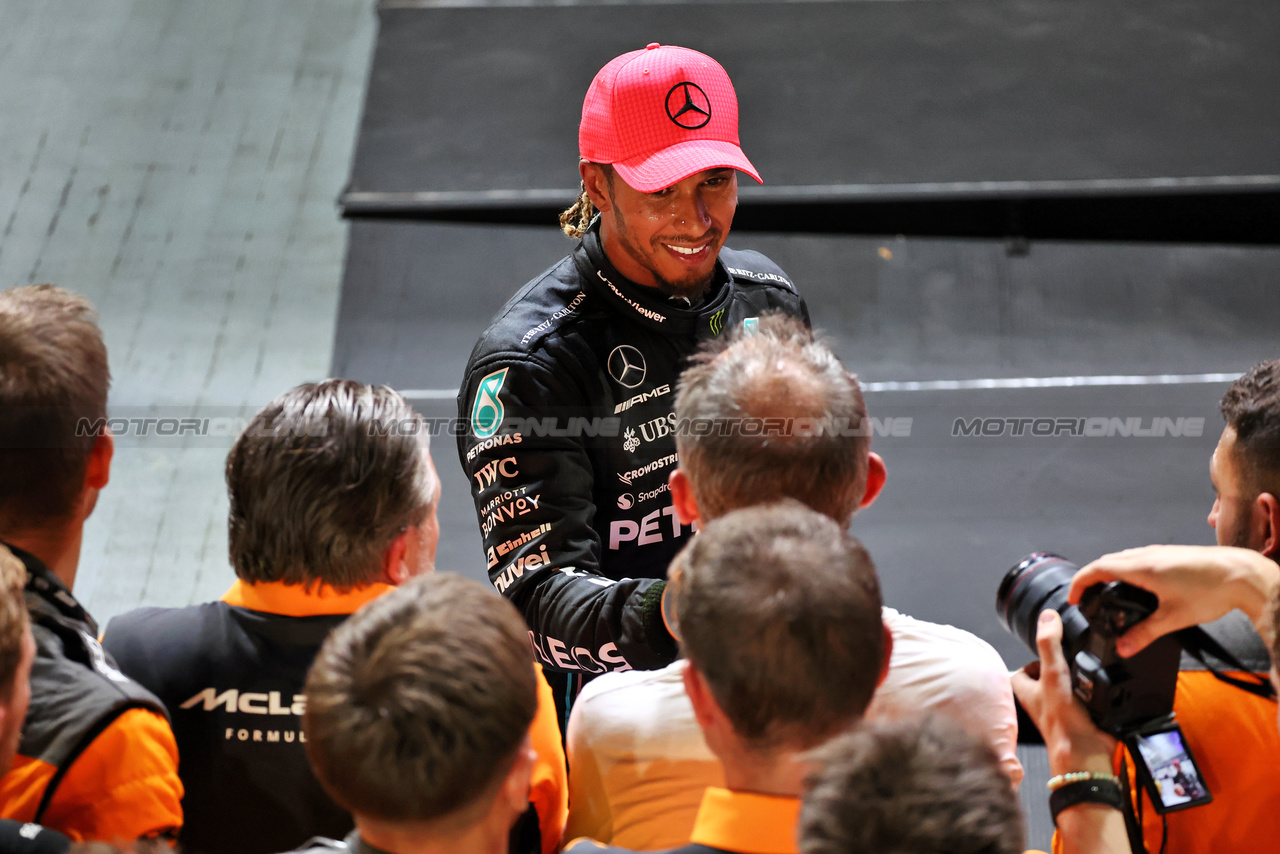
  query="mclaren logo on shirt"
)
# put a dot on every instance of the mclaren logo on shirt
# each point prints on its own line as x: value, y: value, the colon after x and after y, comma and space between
x: 487, y: 411
x: 248, y: 702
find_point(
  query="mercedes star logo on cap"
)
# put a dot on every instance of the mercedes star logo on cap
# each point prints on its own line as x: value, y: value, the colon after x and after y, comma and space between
x: 626, y: 366
x: 688, y: 106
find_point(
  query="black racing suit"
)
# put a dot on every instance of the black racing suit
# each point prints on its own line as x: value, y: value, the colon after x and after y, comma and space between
x: 567, y: 442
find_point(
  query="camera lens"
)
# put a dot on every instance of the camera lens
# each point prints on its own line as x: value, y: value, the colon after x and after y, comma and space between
x: 1038, y: 582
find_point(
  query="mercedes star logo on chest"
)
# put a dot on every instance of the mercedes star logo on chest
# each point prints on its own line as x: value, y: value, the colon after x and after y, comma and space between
x: 627, y: 366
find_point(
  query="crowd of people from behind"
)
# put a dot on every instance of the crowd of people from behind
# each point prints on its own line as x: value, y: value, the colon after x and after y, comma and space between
x: 626, y: 684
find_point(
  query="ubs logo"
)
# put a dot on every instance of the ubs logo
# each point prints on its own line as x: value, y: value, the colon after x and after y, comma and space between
x: 627, y: 366
x: 688, y: 106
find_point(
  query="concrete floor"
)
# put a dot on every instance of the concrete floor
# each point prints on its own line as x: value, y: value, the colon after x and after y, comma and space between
x: 177, y: 162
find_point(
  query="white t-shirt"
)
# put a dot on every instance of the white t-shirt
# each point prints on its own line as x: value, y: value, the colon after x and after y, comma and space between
x: 638, y: 764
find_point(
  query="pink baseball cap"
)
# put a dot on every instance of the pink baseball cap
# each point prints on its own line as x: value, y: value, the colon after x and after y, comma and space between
x: 660, y: 115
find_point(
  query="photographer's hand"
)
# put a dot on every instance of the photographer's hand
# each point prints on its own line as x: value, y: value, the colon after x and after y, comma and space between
x: 1195, y: 584
x: 1074, y: 743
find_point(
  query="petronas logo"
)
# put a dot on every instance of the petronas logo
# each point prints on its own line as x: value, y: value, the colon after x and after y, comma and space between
x: 487, y: 411
x: 717, y: 322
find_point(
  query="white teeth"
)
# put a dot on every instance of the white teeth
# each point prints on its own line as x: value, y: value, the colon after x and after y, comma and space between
x: 684, y: 250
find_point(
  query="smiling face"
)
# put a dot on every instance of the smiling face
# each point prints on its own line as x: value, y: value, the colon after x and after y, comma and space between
x: 668, y: 239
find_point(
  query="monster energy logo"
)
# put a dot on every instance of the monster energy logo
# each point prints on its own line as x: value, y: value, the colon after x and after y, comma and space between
x: 487, y: 411
x: 717, y: 322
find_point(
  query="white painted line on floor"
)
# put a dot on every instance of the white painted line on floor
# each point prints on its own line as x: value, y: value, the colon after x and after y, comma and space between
x: 430, y: 393
x: 1050, y: 382
x: 962, y: 385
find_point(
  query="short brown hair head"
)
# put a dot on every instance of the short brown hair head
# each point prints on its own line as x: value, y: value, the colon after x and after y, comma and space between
x: 779, y: 610
x: 771, y: 413
x: 322, y: 480
x: 417, y: 704
x: 909, y: 787
x: 13, y: 617
x: 1251, y: 407
x: 53, y: 395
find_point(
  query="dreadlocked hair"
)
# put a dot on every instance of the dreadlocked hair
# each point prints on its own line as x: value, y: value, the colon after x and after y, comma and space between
x: 575, y: 221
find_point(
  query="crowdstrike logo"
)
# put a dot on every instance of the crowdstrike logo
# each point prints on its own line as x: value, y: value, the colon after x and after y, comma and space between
x: 660, y: 463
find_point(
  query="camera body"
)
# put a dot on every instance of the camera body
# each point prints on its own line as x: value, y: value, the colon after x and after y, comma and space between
x: 1124, y: 696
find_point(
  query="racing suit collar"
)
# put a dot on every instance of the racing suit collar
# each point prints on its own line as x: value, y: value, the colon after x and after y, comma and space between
x: 645, y: 305
x: 48, y: 587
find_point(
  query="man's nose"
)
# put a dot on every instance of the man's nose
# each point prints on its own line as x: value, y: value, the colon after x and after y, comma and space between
x: 693, y: 211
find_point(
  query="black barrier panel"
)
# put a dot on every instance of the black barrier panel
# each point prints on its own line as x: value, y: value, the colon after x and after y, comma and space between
x: 978, y: 476
x: 842, y: 102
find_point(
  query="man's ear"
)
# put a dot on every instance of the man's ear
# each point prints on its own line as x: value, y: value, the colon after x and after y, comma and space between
x: 394, y: 569
x: 877, y: 473
x: 596, y: 185
x: 98, y: 472
x: 682, y: 497
x: 705, y: 708
x: 1266, y: 512
x: 515, y: 788
x: 888, y: 654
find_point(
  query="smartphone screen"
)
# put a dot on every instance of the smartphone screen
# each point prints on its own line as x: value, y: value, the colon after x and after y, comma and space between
x: 1168, y: 770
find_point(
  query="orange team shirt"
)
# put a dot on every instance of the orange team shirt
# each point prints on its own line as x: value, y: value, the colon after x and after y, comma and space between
x: 1234, y: 739
x: 123, y: 786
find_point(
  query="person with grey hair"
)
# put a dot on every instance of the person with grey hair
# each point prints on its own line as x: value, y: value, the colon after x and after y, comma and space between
x: 781, y: 629
x: 764, y: 413
x: 333, y: 500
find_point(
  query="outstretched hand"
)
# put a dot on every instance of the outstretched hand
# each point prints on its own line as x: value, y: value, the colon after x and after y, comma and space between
x: 1195, y: 584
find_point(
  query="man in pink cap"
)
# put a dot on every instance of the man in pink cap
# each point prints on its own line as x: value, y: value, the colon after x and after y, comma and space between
x: 568, y: 395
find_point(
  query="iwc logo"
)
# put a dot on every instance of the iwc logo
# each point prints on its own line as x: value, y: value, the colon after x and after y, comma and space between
x: 629, y: 441
x: 487, y: 411
x: 626, y: 366
x: 688, y: 106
